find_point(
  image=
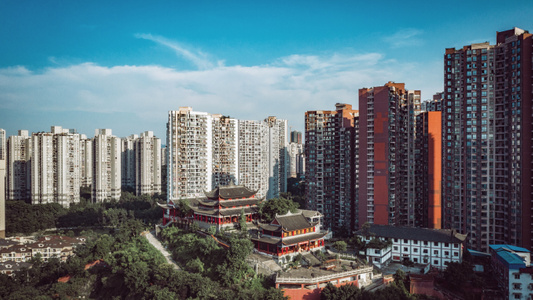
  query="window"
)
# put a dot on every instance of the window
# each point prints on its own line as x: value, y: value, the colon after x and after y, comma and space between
x: 455, y: 253
x: 435, y: 252
x: 435, y: 244
x: 435, y: 262
x: 405, y: 249
x: 406, y: 241
x: 395, y: 248
x: 516, y: 275
x: 446, y: 253
x: 425, y: 251
x: 425, y: 243
x: 446, y: 245
x: 415, y: 250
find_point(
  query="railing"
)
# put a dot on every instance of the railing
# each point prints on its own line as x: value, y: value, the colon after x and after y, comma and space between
x: 315, y: 280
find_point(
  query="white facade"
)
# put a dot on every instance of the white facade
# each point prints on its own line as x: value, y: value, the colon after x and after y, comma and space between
x: 3, y: 158
x: 147, y: 164
x: 86, y: 161
x: 189, y: 150
x: 106, y: 166
x: 512, y: 268
x: 253, y: 156
x: 18, y: 166
x: 419, y: 245
x: 277, y: 156
x: 207, y: 150
x: 225, y: 167
x: 296, y: 159
x: 55, y: 167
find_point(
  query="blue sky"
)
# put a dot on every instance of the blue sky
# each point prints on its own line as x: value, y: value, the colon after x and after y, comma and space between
x: 124, y: 64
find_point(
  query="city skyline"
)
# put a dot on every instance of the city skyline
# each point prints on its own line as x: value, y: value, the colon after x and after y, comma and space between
x: 88, y: 66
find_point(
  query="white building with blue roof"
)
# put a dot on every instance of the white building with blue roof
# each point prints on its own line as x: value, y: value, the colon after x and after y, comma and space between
x: 512, y: 267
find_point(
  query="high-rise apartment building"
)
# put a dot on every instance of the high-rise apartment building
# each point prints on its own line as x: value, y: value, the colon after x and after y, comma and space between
x: 3, y: 157
x: 254, y: 156
x: 189, y: 144
x: 207, y: 150
x: 106, y: 166
x: 386, y: 154
x: 330, y: 164
x: 225, y: 152
x: 147, y: 164
x: 86, y: 161
x: 19, y: 166
x: 55, y: 169
x: 428, y: 170
x: 487, y: 132
x: 277, y: 156
x: 128, y: 161
x: 296, y: 160
x: 296, y: 137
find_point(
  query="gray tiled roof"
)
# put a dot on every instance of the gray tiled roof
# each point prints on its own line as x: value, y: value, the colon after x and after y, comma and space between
x: 230, y: 192
x: 419, y: 234
x: 293, y: 222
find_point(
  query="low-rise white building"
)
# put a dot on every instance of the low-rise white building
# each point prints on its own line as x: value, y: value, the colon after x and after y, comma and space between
x: 436, y: 247
x: 513, y: 270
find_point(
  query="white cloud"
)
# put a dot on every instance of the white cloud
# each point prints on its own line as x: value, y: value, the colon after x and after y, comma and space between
x: 405, y: 38
x: 285, y: 88
x: 198, y: 58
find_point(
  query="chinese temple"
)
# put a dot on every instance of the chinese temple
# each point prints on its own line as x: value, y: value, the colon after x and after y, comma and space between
x: 220, y: 207
x: 290, y: 234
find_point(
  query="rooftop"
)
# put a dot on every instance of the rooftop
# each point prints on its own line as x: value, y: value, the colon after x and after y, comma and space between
x: 419, y: 234
x: 230, y: 192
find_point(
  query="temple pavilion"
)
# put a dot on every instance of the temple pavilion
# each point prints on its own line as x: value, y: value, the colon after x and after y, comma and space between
x: 220, y: 207
x: 290, y: 234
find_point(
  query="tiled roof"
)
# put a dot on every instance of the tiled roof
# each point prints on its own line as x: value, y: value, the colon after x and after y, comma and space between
x: 10, y: 265
x: 230, y: 192
x: 229, y: 203
x: 293, y: 222
x: 302, y: 238
x: 419, y: 234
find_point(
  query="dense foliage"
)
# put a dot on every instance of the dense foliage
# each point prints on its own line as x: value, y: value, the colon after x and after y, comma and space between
x: 223, y: 269
x: 269, y: 209
x: 23, y: 218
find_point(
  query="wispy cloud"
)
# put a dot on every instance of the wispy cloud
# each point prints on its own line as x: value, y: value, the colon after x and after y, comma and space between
x: 405, y: 38
x: 197, y: 57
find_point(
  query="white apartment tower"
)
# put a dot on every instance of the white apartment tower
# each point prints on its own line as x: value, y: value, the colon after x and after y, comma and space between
x: 277, y: 156
x: 189, y: 150
x: 225, y: 167
x: 106, y: 166
x: 86, y: 161
x: 18, y: 166
x: 207, y: 150
x: 253, y: 156
x: 128, y: 161
x: 296, y: 159
x: 3, y: 157
x: 148, y: 164
x: 55, y: 169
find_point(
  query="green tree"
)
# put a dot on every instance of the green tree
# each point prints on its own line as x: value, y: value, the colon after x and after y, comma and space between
x: 340, y: 246
x: 277, y: 206
x: 242, y: 222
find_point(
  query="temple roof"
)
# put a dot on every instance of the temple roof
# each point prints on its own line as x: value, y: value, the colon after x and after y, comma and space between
x: 225, y: 211
x: 293, y: 222
x: 230, y: 192
x: 229, y: 203
x: 290, y: 240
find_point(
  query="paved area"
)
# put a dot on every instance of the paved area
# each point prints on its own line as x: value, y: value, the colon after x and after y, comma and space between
x: 392, y: 267
x: 155, y: 242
